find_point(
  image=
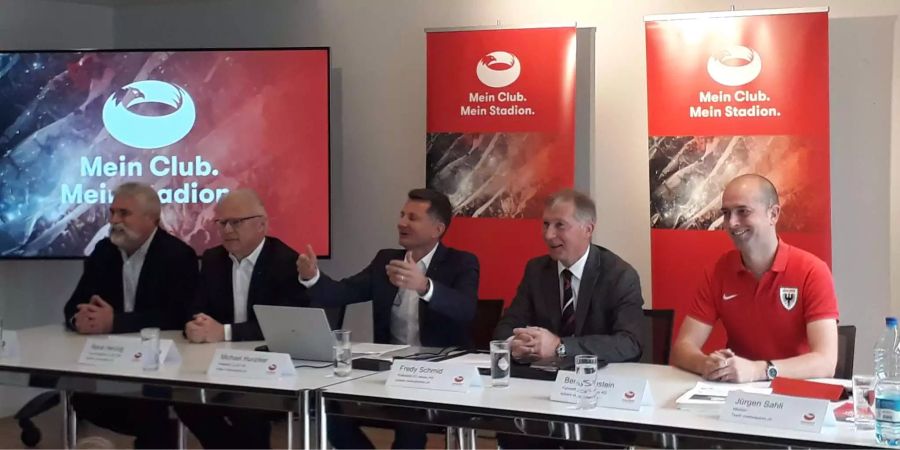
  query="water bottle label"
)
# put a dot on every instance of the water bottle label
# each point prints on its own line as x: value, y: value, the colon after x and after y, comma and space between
x: 887, y: 410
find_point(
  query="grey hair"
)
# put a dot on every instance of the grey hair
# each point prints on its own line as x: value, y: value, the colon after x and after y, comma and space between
x: 585, y: 210
x: 147, y: 195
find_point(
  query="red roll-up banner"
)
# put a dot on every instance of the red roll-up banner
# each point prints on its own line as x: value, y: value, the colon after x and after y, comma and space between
x: 500, y: 138
x: 729, y: 94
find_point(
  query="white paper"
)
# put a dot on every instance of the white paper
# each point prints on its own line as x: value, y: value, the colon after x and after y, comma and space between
x: 247, y: 364
x: 612, y: 391
x: 369, y: 348
x: 708, y: 396
x: 434, y: 376
x: 9, y: 346
x: 472, y: 359
x: 777, y: 411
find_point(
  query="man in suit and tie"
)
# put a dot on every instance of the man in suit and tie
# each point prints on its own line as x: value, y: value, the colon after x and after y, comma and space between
x: 249, y: 268
x: 579, y: 299
x: 423, y: 294
x: 140, y: 276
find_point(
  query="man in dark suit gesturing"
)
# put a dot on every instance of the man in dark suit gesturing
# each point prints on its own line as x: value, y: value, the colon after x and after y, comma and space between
x: 578, y: 299
x: 140, y: 276
x: 249, y: 268
x: 424, y: 294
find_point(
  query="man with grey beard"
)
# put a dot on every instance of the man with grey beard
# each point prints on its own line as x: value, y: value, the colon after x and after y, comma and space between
x: 140, y: 276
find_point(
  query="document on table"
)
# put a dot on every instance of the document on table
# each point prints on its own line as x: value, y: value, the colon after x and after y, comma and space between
x: 707, y: 396
x: 361, y: 349
x: 473, y: 359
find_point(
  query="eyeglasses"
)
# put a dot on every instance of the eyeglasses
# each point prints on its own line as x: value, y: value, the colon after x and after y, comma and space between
x: 222, y: 223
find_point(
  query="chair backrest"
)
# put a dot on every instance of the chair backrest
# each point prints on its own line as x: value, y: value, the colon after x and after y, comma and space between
x: 656, y: 335
x: 486, y: 317
x: 846, y: 350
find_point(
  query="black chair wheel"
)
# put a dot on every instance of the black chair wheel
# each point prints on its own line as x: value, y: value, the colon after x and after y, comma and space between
x: 31, y: 436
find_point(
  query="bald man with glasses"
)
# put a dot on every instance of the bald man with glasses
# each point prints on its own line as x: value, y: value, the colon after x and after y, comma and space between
x: 249, y: 268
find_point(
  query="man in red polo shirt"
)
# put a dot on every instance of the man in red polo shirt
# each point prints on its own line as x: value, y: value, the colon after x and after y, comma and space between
x: 777, y: 302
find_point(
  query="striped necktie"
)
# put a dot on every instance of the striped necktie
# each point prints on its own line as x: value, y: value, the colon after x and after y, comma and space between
x: 568, y: 309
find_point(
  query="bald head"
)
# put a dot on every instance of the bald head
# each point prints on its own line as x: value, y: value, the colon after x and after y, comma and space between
x: 242, y: 222
x: 764, y: 190
x: 244, y: 199
x: 750, y: 213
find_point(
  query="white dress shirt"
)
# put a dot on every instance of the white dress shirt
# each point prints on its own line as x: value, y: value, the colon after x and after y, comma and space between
x: 131, y: 272
x: 405, y: 310
x: 241, y: 273
x: 577, y: 270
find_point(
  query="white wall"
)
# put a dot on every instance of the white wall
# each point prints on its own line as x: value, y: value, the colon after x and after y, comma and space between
x: 33, y: 292
x: 378, y: 59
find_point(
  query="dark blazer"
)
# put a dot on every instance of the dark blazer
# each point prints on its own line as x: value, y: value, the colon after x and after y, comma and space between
x: 274, y: 282
x: 608, y: 315
x: 164, y: 291
x: 444, y: 321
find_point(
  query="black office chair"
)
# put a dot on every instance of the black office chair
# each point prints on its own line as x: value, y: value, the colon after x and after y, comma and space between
x: 846, y: 350
x: 656, y: 337
x: 486, y: 317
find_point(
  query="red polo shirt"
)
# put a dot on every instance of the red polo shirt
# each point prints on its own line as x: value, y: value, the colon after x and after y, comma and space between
x: 766, y: 319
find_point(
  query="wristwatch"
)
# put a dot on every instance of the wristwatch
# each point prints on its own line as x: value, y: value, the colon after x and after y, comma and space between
x: 771, y: 370
x: 561, y: 350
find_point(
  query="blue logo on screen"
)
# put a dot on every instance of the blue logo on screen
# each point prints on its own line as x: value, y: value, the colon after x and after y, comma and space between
x: 140, y: 131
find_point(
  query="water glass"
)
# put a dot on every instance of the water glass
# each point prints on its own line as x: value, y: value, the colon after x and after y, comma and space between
x: 863, y: 399
x: 586, y: 381
x: 500, y: 363
x: 150, y: 348
x: 342, y: 353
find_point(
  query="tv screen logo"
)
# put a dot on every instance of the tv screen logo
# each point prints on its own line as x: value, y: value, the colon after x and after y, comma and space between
x: 148, y: 132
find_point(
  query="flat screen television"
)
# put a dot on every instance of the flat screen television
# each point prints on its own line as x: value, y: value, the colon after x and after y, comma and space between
x: 194, y: 124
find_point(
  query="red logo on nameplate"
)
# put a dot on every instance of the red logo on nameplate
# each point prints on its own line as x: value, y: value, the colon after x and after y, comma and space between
x: 272, y: 367
x: 629, y: 396
x: 809, y: 417
x: 458, y: 379
x: 137, y: 355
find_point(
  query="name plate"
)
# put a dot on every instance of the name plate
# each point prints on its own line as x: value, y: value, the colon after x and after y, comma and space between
x: 435, y: 376
x: 777, y: 411
x: 248, y: 364
x: 124, y: 351
x: 612, y: 391
x: 9, y: 344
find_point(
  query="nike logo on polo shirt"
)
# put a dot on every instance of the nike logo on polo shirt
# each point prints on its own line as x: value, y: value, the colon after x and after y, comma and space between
x: 728, y: 297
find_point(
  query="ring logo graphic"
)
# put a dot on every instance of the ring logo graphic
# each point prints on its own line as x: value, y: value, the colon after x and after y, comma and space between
x: 147, y: 132
x: 734, y: 66
x: 498, y: 69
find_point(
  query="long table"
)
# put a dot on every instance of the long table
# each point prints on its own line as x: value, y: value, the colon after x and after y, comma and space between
x: 48, y: 358
x: 524, y: 408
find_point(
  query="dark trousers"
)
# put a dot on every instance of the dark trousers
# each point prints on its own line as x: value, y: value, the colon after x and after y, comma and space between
x: 344, y: 433
x: 147, y: 420
x: 224, y: 427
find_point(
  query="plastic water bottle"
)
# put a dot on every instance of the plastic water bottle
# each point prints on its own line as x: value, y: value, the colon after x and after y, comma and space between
x: 885, y: 344
x: 887, y: 387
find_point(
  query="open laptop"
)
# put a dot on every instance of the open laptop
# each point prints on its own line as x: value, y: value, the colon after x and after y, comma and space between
x: 303, y: 333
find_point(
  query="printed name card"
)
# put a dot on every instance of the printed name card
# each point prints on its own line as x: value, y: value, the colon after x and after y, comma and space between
x: 124, y: 351
x: 9, y: 344
x: 247, y: 364
x: 612, y: 391
x: 778, y: 411
x: 435, y: 376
